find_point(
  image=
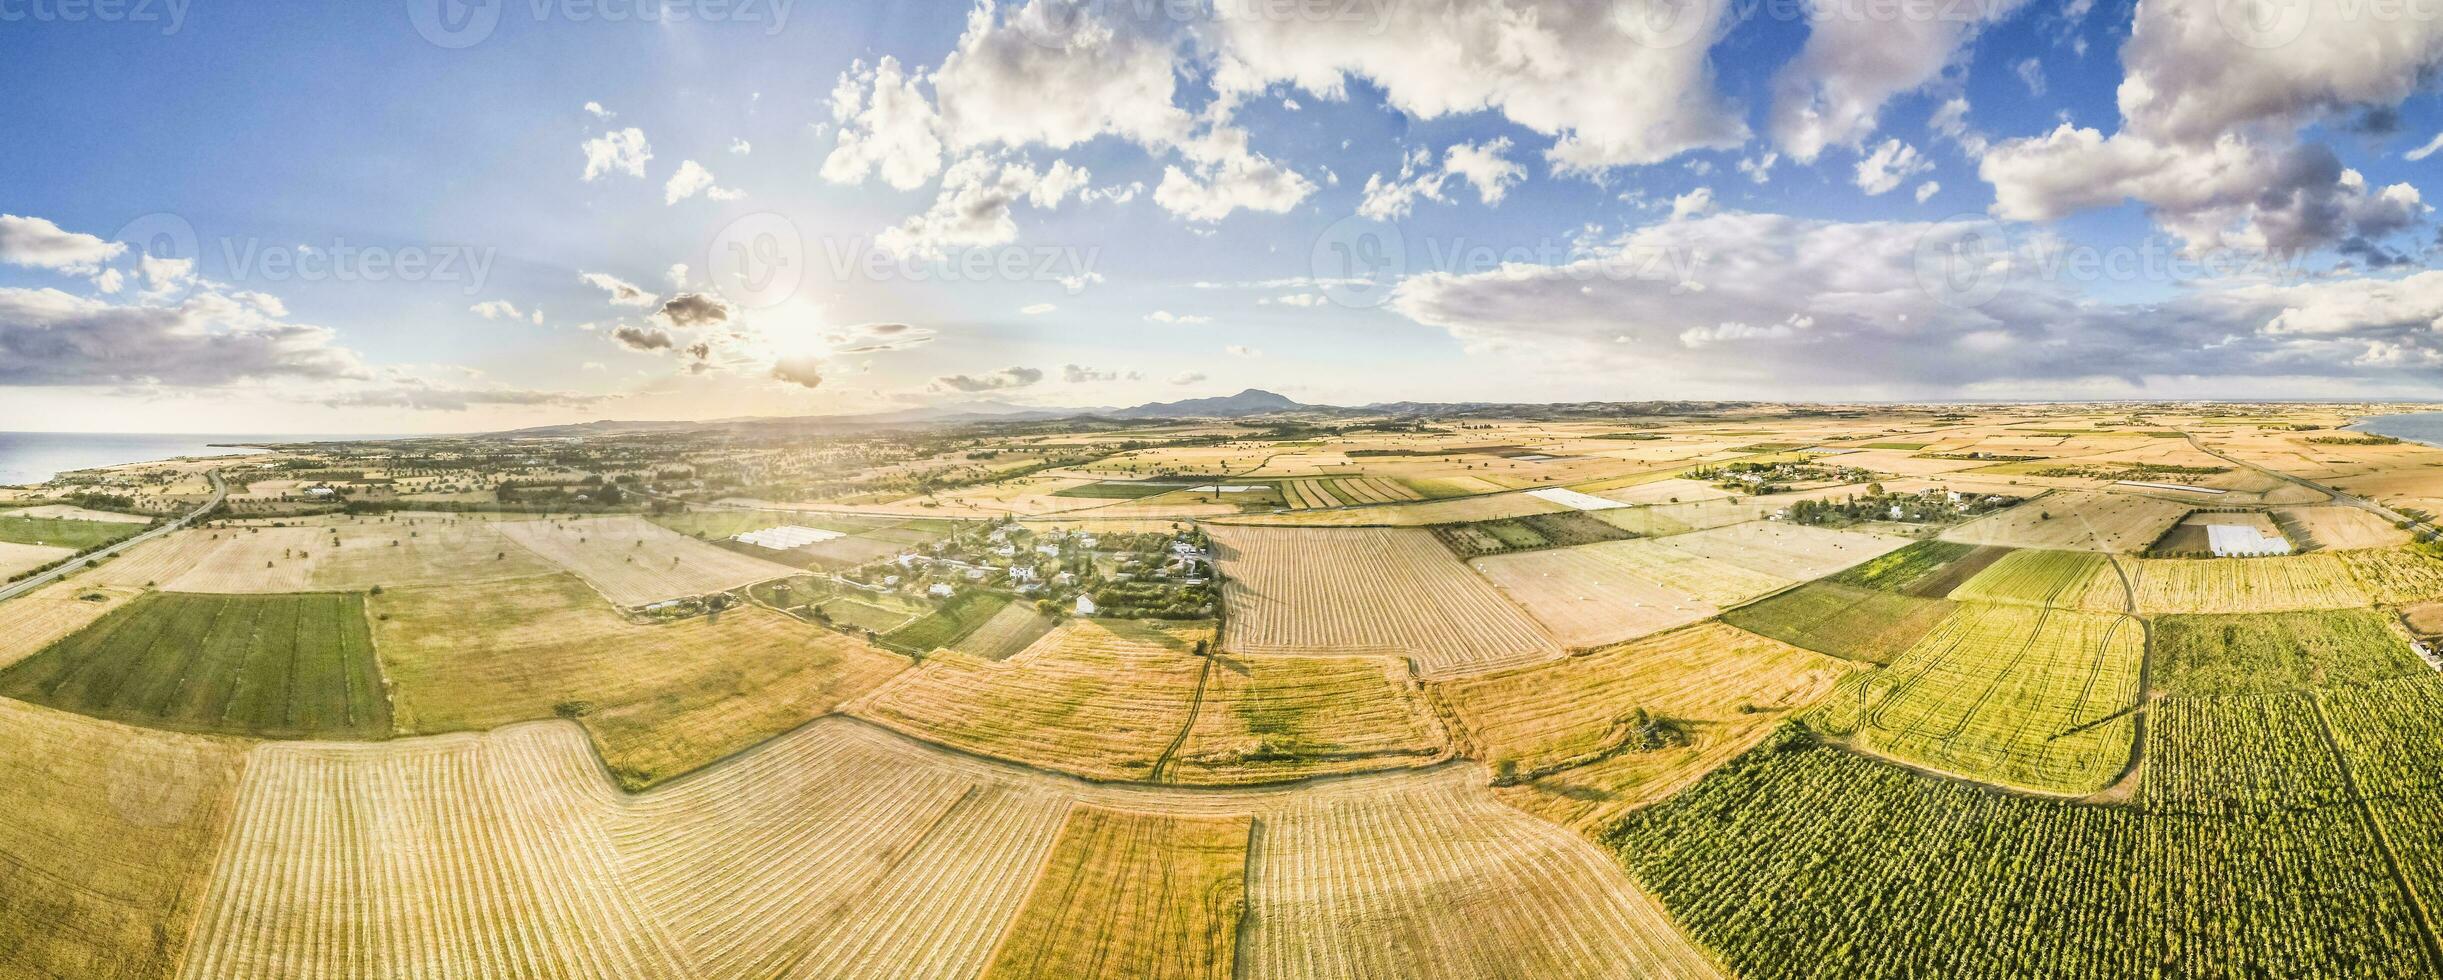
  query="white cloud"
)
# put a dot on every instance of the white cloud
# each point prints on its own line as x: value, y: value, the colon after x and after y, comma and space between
x: 1485, y: 167
x: 1888, y: 166
x: 886, y: 125
x: 623, y: 292
x: 972, y: 209
x: 740, y: 147
x: 1614, y: 84
x: 598, y: 112
x: 1059, y: 73
x: 1081, y: 374
x: 497, y: 309
x: 677, y: 275
x: 37, y: 243
x: 1009, y: 377
x: 1166, y: 316
x: 48, y: 337
x: 2031, y: 74
x: 2421, y: 153
x: 692, y: 178
x: 2210, y: 123
x: 1855, y: 61
x: 619, y: 151
x: 1692, y: 204
x: 1927, y: 190
x: 1835, y: 309
x: 1760, y: 168
x: 1036, y: 309
x: 1187, y: 377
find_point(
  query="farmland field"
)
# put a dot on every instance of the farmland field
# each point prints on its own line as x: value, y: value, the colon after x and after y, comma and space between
x: 1525, y: 534
x: 57, y: 532
x: 660, y: 700
x: 2014, y: 695
x: 33, y: 621
x: 1789, y: 551
x: 2233, y: 863
x: 2338, y: 528
x: 1122, y: 700
x: 2075, y: 521
x: 1357, y: 591
x: 1845, y: 621
x: 951, y: 622
x: 108, y: 841
x: 1012, y: 629
x: 291, y: 666
x: 1930, y: 569
x: 2269, y: 652
x: 349, y: 556
x: 633, y: 562
x: 2397, y: 575
x: 16, y: 559
x: 1588, y: 597
x: 2041, y: 578
x: 1566, y: 729
x: 2237, y: 585
x: 1133, y: 895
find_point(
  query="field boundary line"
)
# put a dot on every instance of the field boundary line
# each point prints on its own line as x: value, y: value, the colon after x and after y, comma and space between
x: 1196, y: 705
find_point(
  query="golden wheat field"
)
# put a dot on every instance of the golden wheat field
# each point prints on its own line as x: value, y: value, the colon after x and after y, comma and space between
x: 1591, y: 595
x: 2076, y: 520
x: 841, y: 851
x: 634, y: 562
x: 31, y: 622
x: 1358, y: 591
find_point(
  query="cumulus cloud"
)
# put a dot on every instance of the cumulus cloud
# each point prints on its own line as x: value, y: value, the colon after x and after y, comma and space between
x: 48, y: 337
x: 803, y: 370
x: 2210, y: 124
x: 1888, y: 166
x: 1927, y: 190
x: 1692, y: 204
x: 643, y: 339
x: 1854, y: 62
x: 1009, y: 377
x: 688, y: 311
x: 619, y: 151
x: 37, y: 243
x: 1844, y: 309
x: 1484, y: 166
x: 973, y: 207
x: 1166, y: 316
x: 1187, y: 377
x: 623, y: 292
x: 1614, y: 84
x: 1059, y: 73
x: 886, y: 125
x: 690, y: 179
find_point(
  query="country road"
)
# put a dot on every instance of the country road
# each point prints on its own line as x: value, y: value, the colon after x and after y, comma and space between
x: 220, y: 492
x: 2339, y: 496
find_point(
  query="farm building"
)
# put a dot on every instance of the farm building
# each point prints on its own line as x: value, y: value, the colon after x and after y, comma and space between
x: 2241, y: 541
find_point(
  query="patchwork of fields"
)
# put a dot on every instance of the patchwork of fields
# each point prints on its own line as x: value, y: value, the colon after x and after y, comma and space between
x: 1356, y: 591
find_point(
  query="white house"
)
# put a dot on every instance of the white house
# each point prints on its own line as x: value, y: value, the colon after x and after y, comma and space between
x: 941, y: 590
x: 1085, y: 605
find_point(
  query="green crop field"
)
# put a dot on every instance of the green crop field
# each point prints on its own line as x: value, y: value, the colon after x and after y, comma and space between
x: 1476, y: 539
x: 2241, y: 858
x: 2043, y: 578
x: 949, y: 624
x: 1124, y: 489
x: 1843, y: 620
x: 2266, y: 652
x: 2014, y: 695
x: 57, y: 533
x: 279, y: 666
x: 1927, y: 568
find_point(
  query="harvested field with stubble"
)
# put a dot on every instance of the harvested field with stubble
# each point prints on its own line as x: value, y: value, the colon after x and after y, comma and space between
x: 841, y: 850
x: 2337, y: 529
x: 284, y: 666
x: 2019, y: 696
x: 1009, y: 631
x: 349, y: 555
x: 1129, y: 895
x: 108, y: 842
x: 1590, y: 596
x: 1791, y: 552
x: 1565, y: 730
x: 35, y: 620
x: 634, y: 562
x: 2072, y: 520
x: 660, y: 700
x: 1129, y: 701
x: 16, y: 559
x: 1377, y: 591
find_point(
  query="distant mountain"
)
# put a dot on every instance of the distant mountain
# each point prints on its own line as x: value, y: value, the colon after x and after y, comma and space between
x: 1253, y: 401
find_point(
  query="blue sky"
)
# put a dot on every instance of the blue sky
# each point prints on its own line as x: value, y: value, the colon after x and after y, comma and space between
x: 1163, y: 197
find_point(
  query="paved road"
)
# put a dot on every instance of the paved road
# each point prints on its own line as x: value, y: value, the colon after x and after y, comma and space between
x: 2339, y: 496
x: 220, y: 492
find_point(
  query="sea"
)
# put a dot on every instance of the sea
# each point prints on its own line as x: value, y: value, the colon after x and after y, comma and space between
x: 2425, y: 427
x: 35, y: 457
